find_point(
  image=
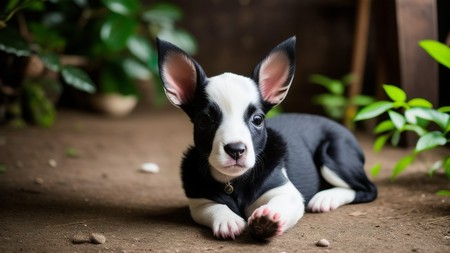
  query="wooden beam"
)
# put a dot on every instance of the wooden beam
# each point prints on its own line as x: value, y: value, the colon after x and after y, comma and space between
x: 359, y: 56
x: 417, y: 20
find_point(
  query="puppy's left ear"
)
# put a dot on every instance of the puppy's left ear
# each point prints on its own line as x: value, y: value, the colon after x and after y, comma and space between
x: 275, y: 73
x: 179, y: 73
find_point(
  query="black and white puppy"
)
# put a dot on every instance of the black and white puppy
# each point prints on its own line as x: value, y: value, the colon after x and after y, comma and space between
x: 245, y: 171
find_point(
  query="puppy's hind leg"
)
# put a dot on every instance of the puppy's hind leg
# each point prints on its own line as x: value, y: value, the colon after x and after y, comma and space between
x: 343, y: 168
x: 330, y: 199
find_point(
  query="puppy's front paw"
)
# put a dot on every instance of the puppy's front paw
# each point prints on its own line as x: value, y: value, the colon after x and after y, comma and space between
x: 265, y: 223
x: 228, y: 227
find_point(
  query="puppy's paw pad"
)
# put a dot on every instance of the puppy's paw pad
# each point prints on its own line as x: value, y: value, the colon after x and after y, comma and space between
x: 229, y: 228
x: 265, y: 223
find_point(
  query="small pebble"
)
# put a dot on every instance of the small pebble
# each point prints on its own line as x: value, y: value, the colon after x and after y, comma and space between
x: 39, y: 181
x: 52, y: 163
x: 357, y: 213
x: 98, y: 238
x: 149, y: 168
x: 323, y: 243
x: 80, y: 238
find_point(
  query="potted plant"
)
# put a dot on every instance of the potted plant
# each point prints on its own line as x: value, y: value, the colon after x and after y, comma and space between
x: 111, y: 40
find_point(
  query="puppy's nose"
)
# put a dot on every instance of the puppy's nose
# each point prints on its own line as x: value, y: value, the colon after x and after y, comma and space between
x: 235, y: 150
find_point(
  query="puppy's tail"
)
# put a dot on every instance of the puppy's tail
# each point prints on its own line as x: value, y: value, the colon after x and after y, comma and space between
x: 345, y: 158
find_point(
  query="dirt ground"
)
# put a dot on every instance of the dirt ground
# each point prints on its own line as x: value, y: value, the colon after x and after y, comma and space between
x: 48, y: 196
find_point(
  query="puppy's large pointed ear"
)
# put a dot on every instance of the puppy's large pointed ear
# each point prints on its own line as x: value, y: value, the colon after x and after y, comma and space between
x: 179, y: 73
x: 275, y: 73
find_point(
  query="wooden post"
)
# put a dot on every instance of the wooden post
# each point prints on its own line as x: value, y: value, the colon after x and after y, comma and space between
x: 359, y: 56
x: 417, y: 20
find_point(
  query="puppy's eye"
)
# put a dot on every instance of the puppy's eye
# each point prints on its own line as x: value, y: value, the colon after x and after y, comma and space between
x: 258, y: 120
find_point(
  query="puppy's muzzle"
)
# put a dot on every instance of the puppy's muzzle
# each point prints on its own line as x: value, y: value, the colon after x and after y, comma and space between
x: 235, y: 150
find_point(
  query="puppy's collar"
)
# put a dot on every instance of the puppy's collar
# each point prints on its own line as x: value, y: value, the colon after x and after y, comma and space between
x: 228, y: 188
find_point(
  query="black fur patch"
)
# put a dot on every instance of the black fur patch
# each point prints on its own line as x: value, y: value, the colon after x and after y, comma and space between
x: 206, y: 122
x: 267, y: 174
x: 258, y: 132
x: 313, y: 142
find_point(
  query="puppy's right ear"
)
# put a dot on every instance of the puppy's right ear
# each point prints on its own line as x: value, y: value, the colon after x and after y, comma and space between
x: 179, y: 73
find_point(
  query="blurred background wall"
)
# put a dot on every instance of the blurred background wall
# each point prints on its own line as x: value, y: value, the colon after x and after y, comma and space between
x: 235, y: 35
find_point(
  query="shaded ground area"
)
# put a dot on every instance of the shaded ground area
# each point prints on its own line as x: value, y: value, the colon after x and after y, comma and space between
x: 42, y: 206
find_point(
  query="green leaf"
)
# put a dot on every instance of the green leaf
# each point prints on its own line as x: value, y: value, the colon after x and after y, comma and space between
x: 395, y: 140
x: 38, y: 105
x: 277, y: 110
x: 380, y: 142
x: 373, y: 110
x: 330, y: 100
x: 444, y: 109
x: 430, y: 140
x: 2, y: 168
x: 12, y: 43
x: 441, y: 119
x: 81, y: 3
x: 180, y: 38
x: 135, y: 69
x: 439, y: 51
x: 420, y: 102
x: 401, y: 165
x: 348, y: 79
x: 447, y: 166
x: 116, y: 30
x: 78, y: 79
x: 435, y: 167
x: 335, y: 87
x: 397, y: 119
x: 47, y: 37
x: 114, y: 79
x: 36, y: 5
x: 395, y: 93
x: 336, y: 113
x: 375, y: 170
x: 140, y: 48
x: 419, y: 130
x: 443, y: 193
x: 72, y: 152
x: 163, y: 13
x: 361, y: 100
x: 384, y: 126
x: 13, y: 4
x: 51, y: 61
x: 124, y: 7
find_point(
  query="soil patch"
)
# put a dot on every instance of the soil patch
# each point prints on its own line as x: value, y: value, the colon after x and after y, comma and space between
x: 83, y: 176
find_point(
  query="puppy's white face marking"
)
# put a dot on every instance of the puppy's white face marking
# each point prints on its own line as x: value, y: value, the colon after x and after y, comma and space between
x: 233, y: 94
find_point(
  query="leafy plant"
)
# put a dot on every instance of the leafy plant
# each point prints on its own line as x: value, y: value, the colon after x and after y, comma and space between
x: 335, y: 102
x: 416, y: 115
x: 109, y: 39
x: 277, y: 110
